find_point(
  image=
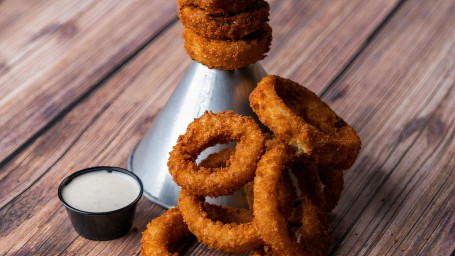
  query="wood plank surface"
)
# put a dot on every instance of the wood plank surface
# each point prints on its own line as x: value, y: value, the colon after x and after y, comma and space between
x: 52, y: 52
x: 34, y: 172
x: 399, y: 94
x: 391, y: 94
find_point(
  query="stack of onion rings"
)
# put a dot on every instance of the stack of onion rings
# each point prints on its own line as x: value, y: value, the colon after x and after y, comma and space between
x: 225, y: 34
x: 265, y: 227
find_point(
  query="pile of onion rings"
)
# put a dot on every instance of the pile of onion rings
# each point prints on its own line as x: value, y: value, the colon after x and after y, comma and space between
x: 225, y: 34
x: 274, y: 170
x: 297, y: 116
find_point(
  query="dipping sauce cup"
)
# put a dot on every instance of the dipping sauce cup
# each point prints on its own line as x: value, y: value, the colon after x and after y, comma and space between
x: 101, y: 201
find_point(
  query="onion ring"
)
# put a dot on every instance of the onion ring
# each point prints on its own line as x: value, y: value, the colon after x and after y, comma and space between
x: 219, y: 159
x: 314, y: 221
x: 232, y: 26
x: 164, y: 233
x: 228, y: 54
x: 228, y: 214
x: 286, y: 196
x: 208, y: 130
x: 270, y: 222
x: 286, y: 192
x: 231, y: 237
x: 297, y: 116
x: 218, y: 6
x: 333, y: 186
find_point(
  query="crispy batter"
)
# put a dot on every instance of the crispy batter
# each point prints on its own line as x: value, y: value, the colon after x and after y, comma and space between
x: 228, y: 237
x: 270, y: 222
x: 228, y: 54
x: 230, y: 26
x: 228, y: 214
x: 286, y: 195
x: 333, y: 185
x: 297, y: 116
x: 163, y: 234
x: 208, y: 130
x: 314, y: 233
x: 219, y: 159
x: 218, y: 6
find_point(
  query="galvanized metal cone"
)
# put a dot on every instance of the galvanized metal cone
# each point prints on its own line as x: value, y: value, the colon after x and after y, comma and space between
x: 201, y: 89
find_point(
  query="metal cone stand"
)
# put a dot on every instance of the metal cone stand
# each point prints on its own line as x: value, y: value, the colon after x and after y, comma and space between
x: 201, y: 89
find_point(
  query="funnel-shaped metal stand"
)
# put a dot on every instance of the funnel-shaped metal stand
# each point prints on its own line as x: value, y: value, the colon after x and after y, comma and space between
x: 201, y: 89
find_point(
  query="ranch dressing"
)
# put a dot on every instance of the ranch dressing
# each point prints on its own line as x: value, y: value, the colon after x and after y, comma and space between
x: 101, y: 191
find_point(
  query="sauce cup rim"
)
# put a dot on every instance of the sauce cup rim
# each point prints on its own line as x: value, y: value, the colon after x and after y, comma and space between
x: 94, y: 169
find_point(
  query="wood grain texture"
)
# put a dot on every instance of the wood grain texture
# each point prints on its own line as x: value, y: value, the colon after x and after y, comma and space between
x: 52, y: 52
x: 397, y: 94
x: 102, y: 141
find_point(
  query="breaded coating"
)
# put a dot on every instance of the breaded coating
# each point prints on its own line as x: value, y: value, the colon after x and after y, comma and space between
x: 333, y: 186
x: 163, y: 234
x: 218, y: 6
x: 209, y: 130
x: 227, y: 237
x: 230, y: 26
x: 270, y: 221
x: 297, y: 115
x: 228, y: 54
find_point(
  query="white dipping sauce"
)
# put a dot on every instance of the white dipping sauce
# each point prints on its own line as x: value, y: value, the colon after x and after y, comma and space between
x: 101, y: 191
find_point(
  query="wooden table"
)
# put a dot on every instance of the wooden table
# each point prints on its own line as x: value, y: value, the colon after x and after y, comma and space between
x: 82, y: 81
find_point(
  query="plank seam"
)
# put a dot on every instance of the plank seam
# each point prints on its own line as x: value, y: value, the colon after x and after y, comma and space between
x: 365, y: 44
x: 371, y: 198
x: 59, y: 158
x: 69, y: 244
x: 87, y: 94
x: 386, y: 178
x: 427, y: 246
x: 432, y: 199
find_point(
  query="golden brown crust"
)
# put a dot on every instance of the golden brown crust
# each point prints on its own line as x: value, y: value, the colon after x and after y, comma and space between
x: 209, y: 130
x: 314, y: 221
x: 229, y: 26
x: 297, y: 116
x: 269, y: 220
x: 218, y: 6
x: 228, y: 214
x: 333, y: 186
x: 286, y: 196
x: 164, y: 233
x: 227, y: 237
x: 228, y: 54
x: 219, y: 159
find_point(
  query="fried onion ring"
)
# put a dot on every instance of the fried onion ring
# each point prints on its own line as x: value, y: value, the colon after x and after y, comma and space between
x: 163, y: 234
x: 314, y: 221
x: 219, y: 159
x: 232, y: 26
x: 208, y: 130
x: 333, y: 186
x: 218, y: 6
x: 286, y: 195
x: 227, y: 237
x: 270, y: 222
x: 297, y: 116
x: 228, y: 54
x: 228, y: 214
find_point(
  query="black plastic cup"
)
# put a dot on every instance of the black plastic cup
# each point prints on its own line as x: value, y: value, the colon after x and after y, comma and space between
x: 101, y: 225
